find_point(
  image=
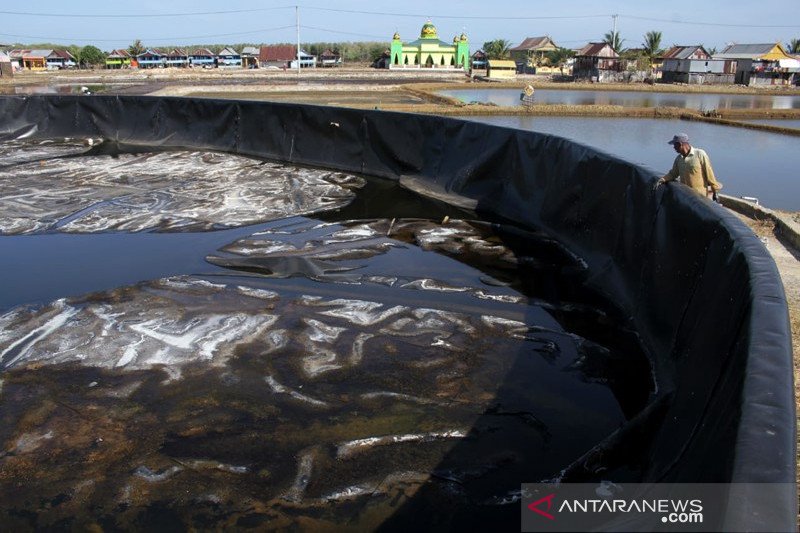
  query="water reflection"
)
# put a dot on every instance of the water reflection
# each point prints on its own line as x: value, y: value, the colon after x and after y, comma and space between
x: 781, y: 123
x: 747, y: 162
x: 322, y: 376
x: 61, y: 89
x: 510, y: 97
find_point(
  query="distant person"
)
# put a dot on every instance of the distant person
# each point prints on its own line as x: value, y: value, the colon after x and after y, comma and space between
x: 693, y: 167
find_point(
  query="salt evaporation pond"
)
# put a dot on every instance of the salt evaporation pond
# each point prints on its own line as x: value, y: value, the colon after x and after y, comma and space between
x: 701, y: 101
x: 325, y: 350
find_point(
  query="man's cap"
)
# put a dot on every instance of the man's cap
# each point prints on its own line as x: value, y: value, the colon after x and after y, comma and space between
x: 679, y: 138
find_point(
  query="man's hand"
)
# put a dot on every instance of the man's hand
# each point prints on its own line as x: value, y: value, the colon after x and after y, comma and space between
x: 659, y: 181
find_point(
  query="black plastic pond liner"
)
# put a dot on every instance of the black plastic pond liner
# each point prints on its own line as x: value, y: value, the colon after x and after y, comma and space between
x: 698, y: 286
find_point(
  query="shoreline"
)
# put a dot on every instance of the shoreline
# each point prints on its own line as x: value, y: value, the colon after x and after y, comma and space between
x: 395, y: 90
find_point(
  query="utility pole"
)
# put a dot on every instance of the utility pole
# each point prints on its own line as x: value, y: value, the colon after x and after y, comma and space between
x: 297, y: 16
x: 614, y: 25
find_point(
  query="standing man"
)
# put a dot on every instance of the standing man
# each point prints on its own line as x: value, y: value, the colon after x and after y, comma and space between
x: 693, y: 167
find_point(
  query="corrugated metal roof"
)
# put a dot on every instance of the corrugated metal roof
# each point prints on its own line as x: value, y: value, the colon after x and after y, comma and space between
x: 597, y: 50
x: 278, y: 52
x: 502, y: 63
x: 64, y: 54
x: 745, y: 51
x: 749, y: 48
x: 202, y: 52
x: 533, y: 43
x: 682, y: 52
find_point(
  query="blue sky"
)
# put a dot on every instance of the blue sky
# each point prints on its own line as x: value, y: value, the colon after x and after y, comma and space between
x: 571, y: 24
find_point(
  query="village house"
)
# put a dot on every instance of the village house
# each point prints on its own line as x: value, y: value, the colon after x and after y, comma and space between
x: 176, y: 58
x: 478, y: 61
x: 693, y: 64
x: 150, y: 58
x: 531, y: 53
x: 597, y: 62
x: 60, y: 59
x: 42, y: 59
x: 761, y: 64
x: 501, y: 69
x: 428, y: 52
x: 229, y: 58
x: 28, y: 59
x: 328, y: 58
x: 277, y: 55
x: 635, y: 61
x: 117, y: 59
x: 250, y: 57
x: 6, y: 70
x: 306, y: 60
x: 202, y: 57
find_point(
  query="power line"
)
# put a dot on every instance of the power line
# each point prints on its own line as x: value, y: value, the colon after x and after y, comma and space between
x: 384, y: 13
x: 139, y: 15
x: 720, y: 24
x: 382, y: 37
x: 151, y: 39
x: 429, y: 16
x: 238, y: 11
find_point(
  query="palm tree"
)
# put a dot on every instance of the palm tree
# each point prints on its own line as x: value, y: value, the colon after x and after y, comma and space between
x: 793, y: 47
x: 651, y: 47
x: 136, y: 48
x: 711, y: 51
x: 497, y: 49
x: 559, y: 57
x: 612, y: 38
x: 652, y: 44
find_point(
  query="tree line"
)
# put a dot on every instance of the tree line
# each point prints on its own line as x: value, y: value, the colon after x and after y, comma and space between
x: 649, y: 49
x: 352, y: 52
x: 368, y: 51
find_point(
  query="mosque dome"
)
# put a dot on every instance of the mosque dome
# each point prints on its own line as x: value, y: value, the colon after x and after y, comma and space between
x: 463, y: 38
x: 428, y: 31
x: 396, y: 36
x: 455, y: 39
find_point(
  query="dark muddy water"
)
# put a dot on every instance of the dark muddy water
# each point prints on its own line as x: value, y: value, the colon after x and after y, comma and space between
x: 354, y: 354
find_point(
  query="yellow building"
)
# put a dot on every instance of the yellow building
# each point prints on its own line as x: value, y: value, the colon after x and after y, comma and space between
x: 501, y: 69
x: 761, y: 64
x: 429, y: 52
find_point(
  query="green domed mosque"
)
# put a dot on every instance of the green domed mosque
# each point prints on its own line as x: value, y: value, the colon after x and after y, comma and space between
x: 429, y: 52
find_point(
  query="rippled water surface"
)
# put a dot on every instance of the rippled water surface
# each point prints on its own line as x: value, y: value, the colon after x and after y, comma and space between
x: 510, y: 97
x: 323, y: 351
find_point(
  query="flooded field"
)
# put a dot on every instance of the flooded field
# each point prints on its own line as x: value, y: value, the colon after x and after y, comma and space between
x: 785, y: 123
x: 766, y: 170
x: 292, y: 348
x: 699, y: 101
x: 316, y: 97
x: 65, y: 88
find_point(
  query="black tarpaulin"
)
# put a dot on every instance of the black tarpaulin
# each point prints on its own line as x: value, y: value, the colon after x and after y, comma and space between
x: 698, y: 286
